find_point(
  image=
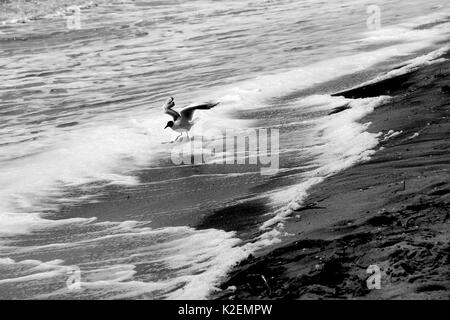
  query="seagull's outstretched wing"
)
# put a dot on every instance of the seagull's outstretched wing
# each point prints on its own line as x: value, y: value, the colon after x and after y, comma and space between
x: 168, y: 105
x: 188, y: 112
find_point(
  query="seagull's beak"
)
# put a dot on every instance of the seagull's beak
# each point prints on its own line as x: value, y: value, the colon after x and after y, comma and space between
x: 166, y: 126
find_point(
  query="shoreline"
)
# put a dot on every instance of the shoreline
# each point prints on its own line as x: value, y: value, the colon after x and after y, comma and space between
x: 391, y: 211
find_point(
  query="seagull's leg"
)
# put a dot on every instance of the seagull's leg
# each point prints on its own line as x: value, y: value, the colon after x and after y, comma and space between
x: 189, y: 138
x: 177, y: 137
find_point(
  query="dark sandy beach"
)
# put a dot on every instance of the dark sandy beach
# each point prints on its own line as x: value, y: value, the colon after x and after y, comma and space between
x: 391, y: 211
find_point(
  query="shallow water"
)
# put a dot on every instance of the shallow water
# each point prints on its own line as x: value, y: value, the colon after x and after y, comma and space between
x: 86, y: 178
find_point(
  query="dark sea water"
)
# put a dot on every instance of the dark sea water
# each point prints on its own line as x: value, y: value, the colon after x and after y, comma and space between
x: 88, y: 188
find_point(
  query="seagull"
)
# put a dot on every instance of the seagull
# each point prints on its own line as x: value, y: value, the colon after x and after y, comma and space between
x: 182, y: 122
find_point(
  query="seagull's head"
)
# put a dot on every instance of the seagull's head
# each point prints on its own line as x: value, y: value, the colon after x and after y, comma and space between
x: 169, y: 125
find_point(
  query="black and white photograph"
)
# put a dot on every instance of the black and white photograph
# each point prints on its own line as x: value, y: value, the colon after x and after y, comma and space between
x: 226, y: 151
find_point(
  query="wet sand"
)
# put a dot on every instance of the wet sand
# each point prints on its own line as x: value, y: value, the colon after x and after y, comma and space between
x: 391, y: 211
